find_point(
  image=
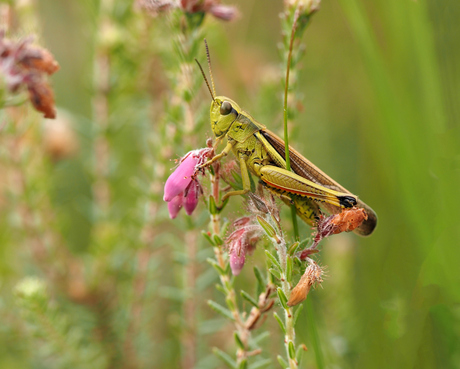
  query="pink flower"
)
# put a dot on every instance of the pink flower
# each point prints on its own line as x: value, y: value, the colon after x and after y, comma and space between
x: 182, y: 187
x: 191, y: 199
x: 237, y: 262
x: 175, y: 205
x: 214, y: 7
x: 242, y: 241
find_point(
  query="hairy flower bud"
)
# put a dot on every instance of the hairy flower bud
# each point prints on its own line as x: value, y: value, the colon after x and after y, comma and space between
x: 237, y: 262
x: 313, y: 274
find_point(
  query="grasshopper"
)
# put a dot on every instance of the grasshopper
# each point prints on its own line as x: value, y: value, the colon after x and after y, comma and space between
x: 262, y: 153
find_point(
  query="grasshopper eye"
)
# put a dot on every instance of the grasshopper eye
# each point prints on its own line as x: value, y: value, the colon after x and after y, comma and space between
x: 226, y: 108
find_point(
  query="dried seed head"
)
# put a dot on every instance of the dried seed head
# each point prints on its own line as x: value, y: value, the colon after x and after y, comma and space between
x: 313, y: 275
x: 346, y: 221
x: 42, y: 97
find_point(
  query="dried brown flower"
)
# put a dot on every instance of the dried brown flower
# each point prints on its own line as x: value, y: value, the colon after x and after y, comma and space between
x: 25, y: 66
x: 313, y: 275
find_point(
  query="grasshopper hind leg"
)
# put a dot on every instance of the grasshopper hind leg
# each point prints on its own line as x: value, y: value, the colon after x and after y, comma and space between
x: 307, y: 209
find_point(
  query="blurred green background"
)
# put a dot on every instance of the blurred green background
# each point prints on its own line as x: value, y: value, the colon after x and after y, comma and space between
x: 380, y: 114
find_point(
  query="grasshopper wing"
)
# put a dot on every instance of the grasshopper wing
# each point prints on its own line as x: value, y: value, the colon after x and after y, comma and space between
x: 305, y: 168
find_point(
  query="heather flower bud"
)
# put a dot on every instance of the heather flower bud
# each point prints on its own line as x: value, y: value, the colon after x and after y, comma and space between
x: 242, y: 241
x: 175, y: 205
x: 223, y: 12
x: 191, y: 200
x: 237, y: 262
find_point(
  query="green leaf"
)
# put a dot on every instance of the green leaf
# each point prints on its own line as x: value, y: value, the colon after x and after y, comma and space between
x: 288, y: 268
x: 238, y: 341
x: 218, y: 241
x: 208, y: 237
x: 261, y: 283
x: 282, y: 298
x: 249, y: 298
x: 269, y: 230
x: 280, y: 322
x: 282, y: 362
x: 225, y: 358
x: 243, y: 364
x: 216, y: 266
x: 273, y: 260
x: 275, y: 273
x: 221, y: 289
x: 293, y: 249
x: 296, y: 314
x: 291, y: 350
x: 221, y: 310
x: 230, y: 303
x: 298, y: 354
x: 212, y: 206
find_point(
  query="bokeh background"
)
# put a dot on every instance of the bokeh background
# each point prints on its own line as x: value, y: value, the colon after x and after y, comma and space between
x: 125, y: 287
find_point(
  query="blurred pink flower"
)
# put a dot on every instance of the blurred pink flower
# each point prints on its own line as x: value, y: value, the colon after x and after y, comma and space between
x: 182, y: 187
x: 223, y: 12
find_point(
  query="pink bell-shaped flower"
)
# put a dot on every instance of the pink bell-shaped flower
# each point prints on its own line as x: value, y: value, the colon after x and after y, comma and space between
x: 237, y: 262
x: 179, y: 180
x: 175, y: 205
x: 182, y: 188
x: 191, y: 200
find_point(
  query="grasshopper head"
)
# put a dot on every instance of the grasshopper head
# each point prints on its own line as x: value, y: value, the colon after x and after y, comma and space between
x: 224, y: 111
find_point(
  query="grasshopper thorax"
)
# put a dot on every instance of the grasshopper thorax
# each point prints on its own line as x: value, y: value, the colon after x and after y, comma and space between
x: 223, y: 113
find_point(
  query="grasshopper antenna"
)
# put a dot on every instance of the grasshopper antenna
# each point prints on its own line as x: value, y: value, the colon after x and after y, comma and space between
x: 205, y: 79
x: 209, y: 66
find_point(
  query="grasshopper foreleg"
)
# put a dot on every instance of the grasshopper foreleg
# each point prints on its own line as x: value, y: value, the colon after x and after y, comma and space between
x: 224, y: 152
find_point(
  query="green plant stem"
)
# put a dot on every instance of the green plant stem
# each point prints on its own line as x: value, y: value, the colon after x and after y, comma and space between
x: 225, y: 280
x: 286, y: 130
x: 288, y: 316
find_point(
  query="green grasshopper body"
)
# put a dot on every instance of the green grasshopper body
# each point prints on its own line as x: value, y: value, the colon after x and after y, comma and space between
x: 262, y: 153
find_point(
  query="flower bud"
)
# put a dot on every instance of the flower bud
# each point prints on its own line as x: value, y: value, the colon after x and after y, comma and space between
x: 191, y: 200
x: 237, y: 262
x: 175, y: 205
